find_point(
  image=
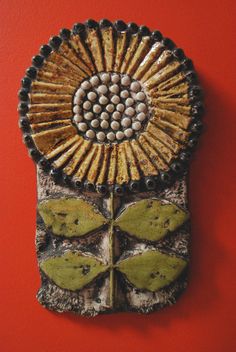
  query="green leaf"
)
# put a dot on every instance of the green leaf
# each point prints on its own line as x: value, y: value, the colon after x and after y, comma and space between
x: 152, y: 270
x: 149, y: 219
x: 70, y: 217
x: 72, y: 271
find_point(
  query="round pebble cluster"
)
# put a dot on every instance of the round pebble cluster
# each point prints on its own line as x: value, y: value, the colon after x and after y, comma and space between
x: 110, y: 107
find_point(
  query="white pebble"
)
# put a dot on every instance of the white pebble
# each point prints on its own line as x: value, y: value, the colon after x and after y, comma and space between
x: 120, y: 135
x: 124, y: 94
x: 104, y: 124
x: 141, y: 116
x: 103, y: 100
x: 129, y: 132
x: 78, y: 118
x: 77, y: 99
x: 125, y: 80
x: 115, y: 125
x: 129, y: 102
x: 101, y: 136
x: 87, y: 105
x: 94, y: 81
x: 140, y: 96
x: 105, y: 77
x: 111, y: 136
x: 88, y: 116
x: 115, y: 78
x: 80, y: 93
x: 115, y: 99
x: 92, y: 96
x: 136, y: 126
x: 110, y: 108
x: 90, y: 134
x: 114, y: 88
x: 126, y: 122
x: 97, y: 108
x: 76, y: 109
x: 104, y: 116
x: 141, y: 107
x: 82, y: 126
x: 116, y: 115
x: 86, y: 85
x: 135, y: 86
x: 120, y: 107
x: 130, y: 111
x: 95, y: 123
x: 102, y: 89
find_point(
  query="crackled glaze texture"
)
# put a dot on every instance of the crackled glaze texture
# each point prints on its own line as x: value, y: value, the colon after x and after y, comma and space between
x: 111, y: 112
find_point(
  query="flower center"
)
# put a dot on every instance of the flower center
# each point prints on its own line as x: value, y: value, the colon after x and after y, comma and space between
x: 110, y: 107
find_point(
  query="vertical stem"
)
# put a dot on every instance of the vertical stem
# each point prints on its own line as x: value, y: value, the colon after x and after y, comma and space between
x: 111, y: 251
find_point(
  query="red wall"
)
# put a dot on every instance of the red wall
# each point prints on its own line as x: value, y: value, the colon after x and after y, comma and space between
x: 204, y: 318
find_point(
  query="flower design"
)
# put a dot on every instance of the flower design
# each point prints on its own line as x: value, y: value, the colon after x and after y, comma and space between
x: 111, y: 106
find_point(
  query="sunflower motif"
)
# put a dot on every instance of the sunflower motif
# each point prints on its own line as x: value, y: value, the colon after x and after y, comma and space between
x: 111, y: 106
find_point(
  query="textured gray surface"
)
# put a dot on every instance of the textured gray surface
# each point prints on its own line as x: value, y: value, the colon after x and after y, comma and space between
x: 95, y: 298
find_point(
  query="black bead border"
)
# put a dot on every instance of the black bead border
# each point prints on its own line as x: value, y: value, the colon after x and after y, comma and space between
x: 178, y: 166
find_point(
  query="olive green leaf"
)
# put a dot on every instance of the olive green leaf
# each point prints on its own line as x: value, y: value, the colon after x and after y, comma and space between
x: 149, y: 219
x: 151, y: 270
x: 70, y: 217
x: 72, y: 271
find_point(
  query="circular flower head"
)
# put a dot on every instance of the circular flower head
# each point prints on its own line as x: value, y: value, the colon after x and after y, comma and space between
x: 111, y: 106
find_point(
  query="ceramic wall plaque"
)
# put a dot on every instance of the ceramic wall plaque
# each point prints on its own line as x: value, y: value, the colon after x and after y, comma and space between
x: 110, y: 113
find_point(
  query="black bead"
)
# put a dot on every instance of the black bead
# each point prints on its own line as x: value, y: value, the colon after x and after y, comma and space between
x: 145, y: 31
x: 44, y: 164
x: 79, y: 28
x: 134, y: 186
x: 37, y: 61
x: 24, y: 124
x: 193, y: 141
x: 195, y: 91
x: 26, y: 82
x: 179, y: 53
x: 45, y: 50
x: 133, y: 27
x: 197, y: 110
x: 31, y: 72
x: 78, y: 184
x: 191, y: 77
x: 102, y: 189
x: 120, y: 25
x: 168, y: 43
x: 165, y: 177
x: 156, y: 36
x: 28, y: 140
x: 34, y: 154
x: 67, y: 179
x: 197, y: 127
x: 119, y: 190
x: 176, y: 166
x: 65, y: 34
x: 56, y: 174
x: 23, y: 94
x: 104, y: 23
x: 185, y: 156
x: 23, y: 108
x: 90, y: 23
x: 150, y: 183
x: 55, y: 42
x: 89, y: 187
x: 187, y: 64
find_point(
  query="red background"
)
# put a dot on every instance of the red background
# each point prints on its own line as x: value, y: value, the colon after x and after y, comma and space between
x: 204, y: 318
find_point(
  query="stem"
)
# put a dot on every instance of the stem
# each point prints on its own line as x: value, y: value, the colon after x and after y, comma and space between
x: 111, y: 251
